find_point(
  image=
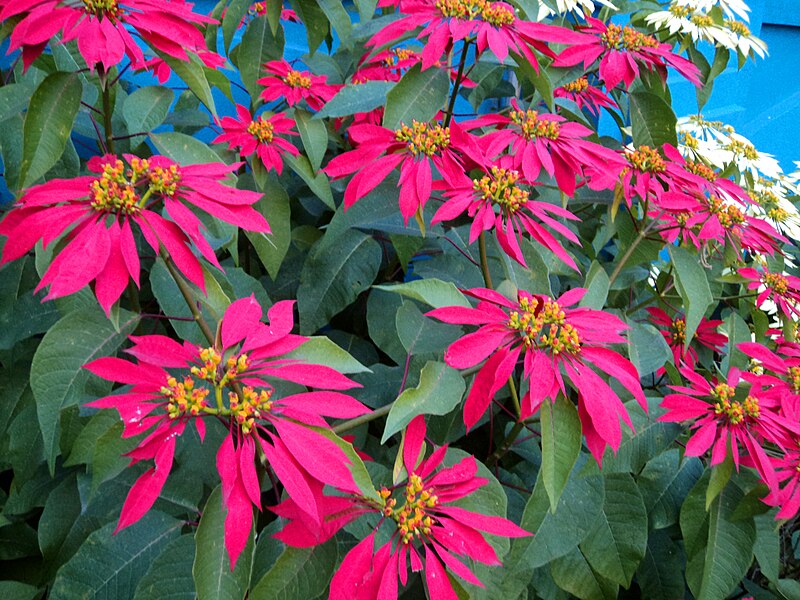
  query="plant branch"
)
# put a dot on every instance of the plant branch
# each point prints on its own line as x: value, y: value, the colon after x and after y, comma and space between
x: 451, y: 105
x: 188, y: 296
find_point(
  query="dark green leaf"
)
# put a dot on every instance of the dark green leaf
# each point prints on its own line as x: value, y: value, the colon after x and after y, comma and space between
x: 145, y: 109
x: 170, y: 575
x: 356, y: 98
x: 420, y: 335
x: 439, y: 391
x: 647, y: 348
x: 573, y: 573
x: 433, y: 292
x: 15, y: 590
x: 314, y: 135
x: 193, y: 73
x: 14, y: 98
x: 664, y: 482
x: 561, y: 444
x: 660, y: 576
x: 48, y: 122
x: 767, y: 548
x: 276, y: 208
x: 738, y: 331
x: 298, y: 573
x: 596, y: 287
x: 321, y: 350
x: 184, y: 149
x: 692, y: 284
x: 652, y: 120
x: 338, y: 18
x: 234, y: 13
x: 418, y: 96
x: 259, y: 45
x: 316, y: 181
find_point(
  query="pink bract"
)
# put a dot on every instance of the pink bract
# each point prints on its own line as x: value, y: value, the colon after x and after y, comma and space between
x: 284, y: 81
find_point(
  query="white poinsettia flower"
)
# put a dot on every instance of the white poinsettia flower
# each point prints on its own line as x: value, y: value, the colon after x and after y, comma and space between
x: 742, y: 40
x: 730, y: 8
x: 579, y: 7
x: 683, y: 18
x: 771, y: 200
x: 701, y: 139
x: 741, y: 152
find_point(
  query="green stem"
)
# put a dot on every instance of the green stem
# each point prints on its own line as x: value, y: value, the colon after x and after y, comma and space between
x: 353, y: 423
x: 628, y: 253
x: 133, y: 297
x: 107, y: 111
x: 451, y: 105
x: 503, y: 448
x: 487, y: 277
x: 188, y: 296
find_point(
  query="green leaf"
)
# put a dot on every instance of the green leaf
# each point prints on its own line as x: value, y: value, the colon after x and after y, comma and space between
x: 719, y: 549
x: 720, y: 476
x: 332, y: 279
x: 561, y: 444
x: 315, y: 21
x: 692, y: 285
x: 660, y: 575
x: 597, y: 283
x: 170, y: 575
x: 213, y: 577
x: 418, y: 96
x: 618, y: 542
x: 338, y: 18
x: 439, y: 391
x: 314, y: 135
x: 234, y: 13
x: 58, y: 378
x: 22, y: 314
x: 420, y: 335
x: 557, y: 534
x: 14, y: 98
x: 316, y: 181
x: 573, y: 573
x: 193, y: 73
x: 650, y: 438
x: 721, y: 57
x: 48, y: 123
x: 767, y: 548
x: 276, y: 208
x: 298, y: 573
x: 356, y: 98
x: 145, y: 109
x: 357, y: 468
x: 738, y: 331
x: 184, y: 149
x: 17, y: 590
x: 433, y: 292
x: 652, y: 120
x: 259, y: 45
x: 383, y: 333
x: 665, y: 482
x: 647, y: 348
x: 322, y: 351
x: 109, y: 566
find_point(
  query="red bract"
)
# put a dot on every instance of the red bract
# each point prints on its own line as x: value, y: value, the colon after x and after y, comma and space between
x: 550, y: 337
x: 494, y: 25
x: 674, y: 332
x: 101, y: 28
x: 584, y: 95
x: 414, y: 149
x: 550, y: 142
x: 721, y: 420
x: 230, y: 381
x: 621, y: 51
x: 422, y: 516
x: 284, y: 81
x: 162, y: 71
x: 783, y: 290
x: 388, y: 65
x: 96, y: 213
x: 260, y: 135
x: 499, y: 200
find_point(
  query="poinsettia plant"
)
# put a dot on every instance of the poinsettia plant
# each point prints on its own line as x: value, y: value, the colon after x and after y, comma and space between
x: 419, y: 298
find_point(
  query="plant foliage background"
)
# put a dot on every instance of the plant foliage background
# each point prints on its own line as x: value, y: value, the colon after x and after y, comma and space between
x: 452, y: 305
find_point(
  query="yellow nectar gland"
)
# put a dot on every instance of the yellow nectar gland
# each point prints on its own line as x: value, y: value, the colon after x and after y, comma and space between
x: 678, y: 331
x: 793, y: 376
x: 680, y: 11
x: 423, y: 138
x: 103, y: 8
x: 738, y: 28
x: 112, y: 192
x: 646, y: 160
x: 252, y: 405
x: 296, y: 79
x: 544, y: 326
x: 736, y: 412
x: 533, y: 127
x: 743, y: 149
x: 500, y: 188
x: 183, y: 398
x: 626, y: 39
x: 579, y: 85
x: 701, y: 169
x: 728, y: 215
x: 165, y: 181
x: 702, y: 20
x: 688, y: 140
x: 777, y: 283
x: 262, y: 130
x: 258, y: 8
x: 210, y: 371
x: 412, y: 519
x: 398, y: 54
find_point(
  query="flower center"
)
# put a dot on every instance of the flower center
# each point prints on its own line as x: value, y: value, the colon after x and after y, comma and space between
x: 794, y: 379
x: 262, y: 130
x: 626, y: 39
x: 679, y: 10
x: 258, y: 8
x: 701, y: 169
x: 728, y: 215
x: 688, y: 140
x: 777, y: 283
x: 542, y: 325
x: 778, y: 214
x: 497, y: 14
x: 108, y: 9
x: 500, y: 188
x: 737, y: 27
x: 678, y: 331
x: 213, y: 370
x: 577, y: 86
x: 183, y: 398
x: 534, y: 127
x: 412, y: 519
x: 165, y: 181
x: 494, y: 13
x: 646, y: 160
x: 736, y: 412
x: 748, y: 151
x: 113, y: 192
x: 702, y: 20
x: 397, y: 55
x: 251, y: 406
x: 296, y: 79
x: 423, y: 138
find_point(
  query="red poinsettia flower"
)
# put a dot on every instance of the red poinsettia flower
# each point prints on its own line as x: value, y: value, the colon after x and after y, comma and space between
x: 722, y: 418
x: 230, y: 381
x: 783, y: 290
x: 422, y: 517
x: 100, y: 28
x: 585, y: 95
x: 787, y: 471
x: 415, y: 149
x: 499, y: 199
x: 621, y: 51
x: 780, y: 371
x: 388, y: 65
x: 97, y: 211
x: 260, y: 135
x: 284, y: 81
x: 674, y: 332
x: 550, y: 337
x: 550, y: 142
x: 494, y: 25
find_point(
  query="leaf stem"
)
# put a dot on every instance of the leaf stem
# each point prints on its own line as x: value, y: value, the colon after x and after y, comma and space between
x: 487, y: 277
x: 188, y: 296
x: 107, y: 110
x: 451, y: 105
